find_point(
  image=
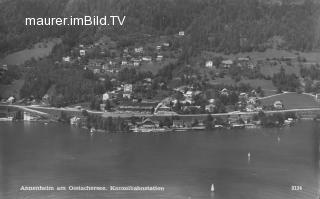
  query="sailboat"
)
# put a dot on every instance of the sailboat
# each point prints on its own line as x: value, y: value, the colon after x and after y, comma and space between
x: 212, y: 187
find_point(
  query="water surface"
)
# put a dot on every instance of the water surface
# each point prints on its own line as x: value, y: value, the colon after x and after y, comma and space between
x: 185, y: 163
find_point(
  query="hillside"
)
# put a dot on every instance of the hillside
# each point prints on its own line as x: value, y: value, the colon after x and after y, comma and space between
x: 225, y: 26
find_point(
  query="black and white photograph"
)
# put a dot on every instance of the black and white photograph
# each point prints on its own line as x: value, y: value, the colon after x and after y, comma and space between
x: 159, y: 99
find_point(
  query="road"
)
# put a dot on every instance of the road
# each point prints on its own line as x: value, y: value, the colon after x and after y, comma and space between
x: 129, y: 114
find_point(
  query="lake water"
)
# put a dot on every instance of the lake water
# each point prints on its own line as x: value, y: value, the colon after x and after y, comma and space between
x: 185, y: 163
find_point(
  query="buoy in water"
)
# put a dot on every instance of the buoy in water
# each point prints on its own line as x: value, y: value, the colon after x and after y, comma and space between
x: 212, y: 187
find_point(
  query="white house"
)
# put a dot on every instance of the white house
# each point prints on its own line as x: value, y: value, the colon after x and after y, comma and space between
x: 11, y: 99
x: 138, y: 50
x: 124, y: 63
x: 66, y: 59
x: 82, y: 52
x: 147, y: 59
x: 106, y: 96
x: 209, y: 64
x: 127, y: 88
x: 212, y: 101
x: 159, y: 57
x: 181, y: 33
x: 166, y: 44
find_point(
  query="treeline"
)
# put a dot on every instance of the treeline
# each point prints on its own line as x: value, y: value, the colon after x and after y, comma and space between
x: 234, y: 26
x: 64, y: 85
x: 8, y: 76
x: 286, y: 82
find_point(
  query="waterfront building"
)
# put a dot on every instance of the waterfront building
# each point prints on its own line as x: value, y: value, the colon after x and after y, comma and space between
x: 318, y: 97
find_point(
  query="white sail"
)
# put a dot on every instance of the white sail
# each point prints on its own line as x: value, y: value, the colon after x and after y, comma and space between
x: 212, y: 187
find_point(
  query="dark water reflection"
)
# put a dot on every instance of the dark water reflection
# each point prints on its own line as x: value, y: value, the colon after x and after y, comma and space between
x: 186, y: 164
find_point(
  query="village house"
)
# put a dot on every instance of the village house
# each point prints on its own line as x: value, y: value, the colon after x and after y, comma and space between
x: 147, y: 82
x: 138, y: 50
x: 188, y: 94
x: 158, y: 47
x: 147, y: 59
x: 243, y: 96
x: 4, y: 67
x: 210, y: 108
x: 318, y: 97
x: 82, y: 53
x: 187, y: 101
x: 227, y: 63
x: 96, y: 70
x: 45, y: 99
x: 278, y: 105
x: 124, y: 62
x: 66, y: 59
x: 127, y: 88
x: 125, y: 50
x: 166, y: 44
x: 136, y: 62
x: 212, y: 101
x: 209, y: 64
x: 108, y: 96
x: 245, y: 62
x: 127, y: 95
x: 178, y: 124
x: 250, y: 108
x: 159, y: 58
x: 224, y: 92
x: 252, y: 100
x: 181, y: 33
x: 11, y: 100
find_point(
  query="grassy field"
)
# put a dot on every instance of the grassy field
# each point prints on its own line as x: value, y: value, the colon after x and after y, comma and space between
x: 39, y: 50
x: 154, y: 67
x: 293, y: 100
x: 272, y: 53
x: 265, y: 84
x: 269, y: 70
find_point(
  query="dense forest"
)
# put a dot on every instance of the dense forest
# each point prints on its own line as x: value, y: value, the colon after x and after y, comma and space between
x: 226, y: 26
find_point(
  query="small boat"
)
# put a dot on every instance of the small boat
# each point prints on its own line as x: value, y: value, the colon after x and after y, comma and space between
x: 212, y: 187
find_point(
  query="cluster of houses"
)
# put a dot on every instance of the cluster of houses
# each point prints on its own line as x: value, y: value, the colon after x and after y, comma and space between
x: 243, y: 62
x: 127, y: 57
